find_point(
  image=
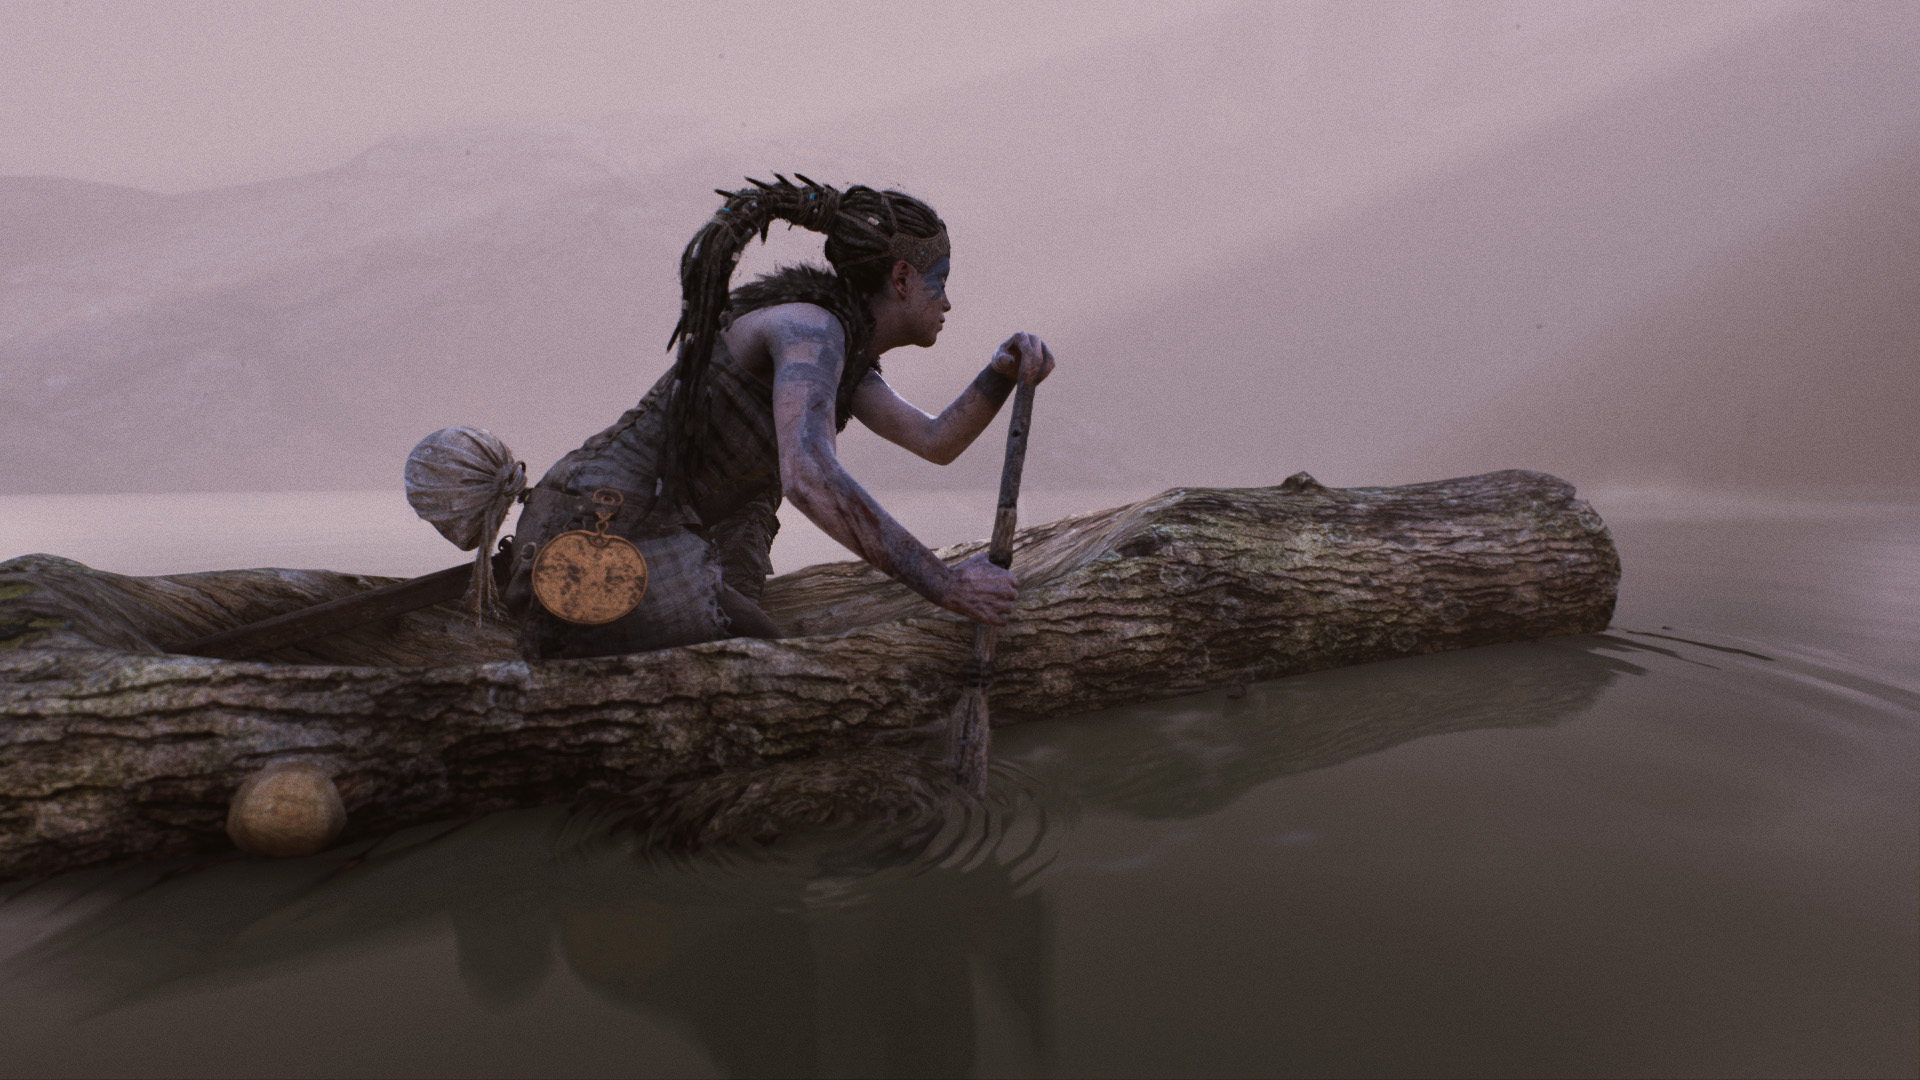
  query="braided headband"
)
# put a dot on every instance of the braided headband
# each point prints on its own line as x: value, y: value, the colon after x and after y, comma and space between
x: 919, y: 252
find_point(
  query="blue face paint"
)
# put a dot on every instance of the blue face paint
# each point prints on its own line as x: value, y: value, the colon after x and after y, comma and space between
x: 935, y: 279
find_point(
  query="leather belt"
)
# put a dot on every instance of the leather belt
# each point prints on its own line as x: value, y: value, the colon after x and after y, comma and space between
x: 581, y: 511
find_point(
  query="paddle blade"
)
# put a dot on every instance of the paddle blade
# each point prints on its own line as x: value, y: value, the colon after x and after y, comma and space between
x: 967, y: 735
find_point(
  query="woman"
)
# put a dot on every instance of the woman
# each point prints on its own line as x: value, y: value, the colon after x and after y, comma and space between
x: 765, y: 377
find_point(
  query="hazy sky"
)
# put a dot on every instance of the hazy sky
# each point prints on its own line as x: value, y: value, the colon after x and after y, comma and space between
x: 175, y: 95
x: 1262, y: 236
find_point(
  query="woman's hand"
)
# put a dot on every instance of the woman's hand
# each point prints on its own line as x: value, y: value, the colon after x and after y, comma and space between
x: 1022, y: 349
x: 981, y: 591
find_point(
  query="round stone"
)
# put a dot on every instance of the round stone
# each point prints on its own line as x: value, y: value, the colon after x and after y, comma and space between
x: 287, y: 809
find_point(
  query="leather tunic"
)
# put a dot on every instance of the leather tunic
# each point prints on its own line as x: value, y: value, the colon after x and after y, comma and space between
x: 736, y: 490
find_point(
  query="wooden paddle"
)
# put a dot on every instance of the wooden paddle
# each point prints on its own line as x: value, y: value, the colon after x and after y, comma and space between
x: 968, y: 737
x: 345, y: 613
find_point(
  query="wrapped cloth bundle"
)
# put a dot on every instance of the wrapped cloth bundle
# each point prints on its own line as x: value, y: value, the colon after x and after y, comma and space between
x: 464, y: 481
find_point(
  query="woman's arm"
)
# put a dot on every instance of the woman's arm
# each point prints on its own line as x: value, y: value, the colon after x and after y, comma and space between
x: 808, y: 351
x: 941, y: 438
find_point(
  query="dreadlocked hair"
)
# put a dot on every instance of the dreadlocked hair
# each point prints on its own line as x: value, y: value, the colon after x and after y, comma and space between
x: 859, y: 223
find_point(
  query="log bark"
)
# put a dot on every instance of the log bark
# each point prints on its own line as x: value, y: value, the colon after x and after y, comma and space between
x: 111, y: 748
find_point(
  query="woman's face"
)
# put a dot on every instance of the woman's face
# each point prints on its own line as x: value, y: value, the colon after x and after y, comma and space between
x: 927, y: 302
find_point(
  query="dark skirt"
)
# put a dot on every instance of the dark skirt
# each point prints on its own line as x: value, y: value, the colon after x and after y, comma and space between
x: 681, y: 606
x: 702, y: 585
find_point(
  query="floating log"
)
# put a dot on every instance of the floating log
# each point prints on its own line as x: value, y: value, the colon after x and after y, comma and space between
x: 111, y: 748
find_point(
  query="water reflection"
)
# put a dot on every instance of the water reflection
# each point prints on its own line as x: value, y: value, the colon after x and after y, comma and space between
x: 1196, y: 755
x: 838, y: 954
x: 790, y: 976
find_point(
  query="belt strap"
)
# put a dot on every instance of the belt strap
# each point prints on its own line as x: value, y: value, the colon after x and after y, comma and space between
x: 548, y: 503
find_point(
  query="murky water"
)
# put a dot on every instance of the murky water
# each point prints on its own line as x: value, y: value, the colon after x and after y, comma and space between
x: 1688, y: 846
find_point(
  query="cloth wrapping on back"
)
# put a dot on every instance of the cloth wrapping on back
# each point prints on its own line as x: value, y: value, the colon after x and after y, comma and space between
x: 464, y: 481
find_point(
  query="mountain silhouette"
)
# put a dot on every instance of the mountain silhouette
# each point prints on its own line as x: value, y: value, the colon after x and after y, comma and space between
x: 1337, y: 251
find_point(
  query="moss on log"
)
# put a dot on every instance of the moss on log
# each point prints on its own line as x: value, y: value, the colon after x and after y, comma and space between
x: 111, y: 748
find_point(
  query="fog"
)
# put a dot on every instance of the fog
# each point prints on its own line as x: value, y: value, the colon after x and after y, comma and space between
x: 267, y: 248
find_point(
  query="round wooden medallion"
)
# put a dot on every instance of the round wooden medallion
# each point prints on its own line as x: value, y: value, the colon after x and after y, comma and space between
x: 589, y: 578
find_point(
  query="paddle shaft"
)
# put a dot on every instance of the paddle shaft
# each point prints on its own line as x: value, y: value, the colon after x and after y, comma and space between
x: 970, y: 734
x: 1005, y: 516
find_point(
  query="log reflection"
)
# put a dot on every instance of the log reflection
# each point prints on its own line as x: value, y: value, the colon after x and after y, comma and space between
x: 814, y: 956
x: 1196, y: 755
